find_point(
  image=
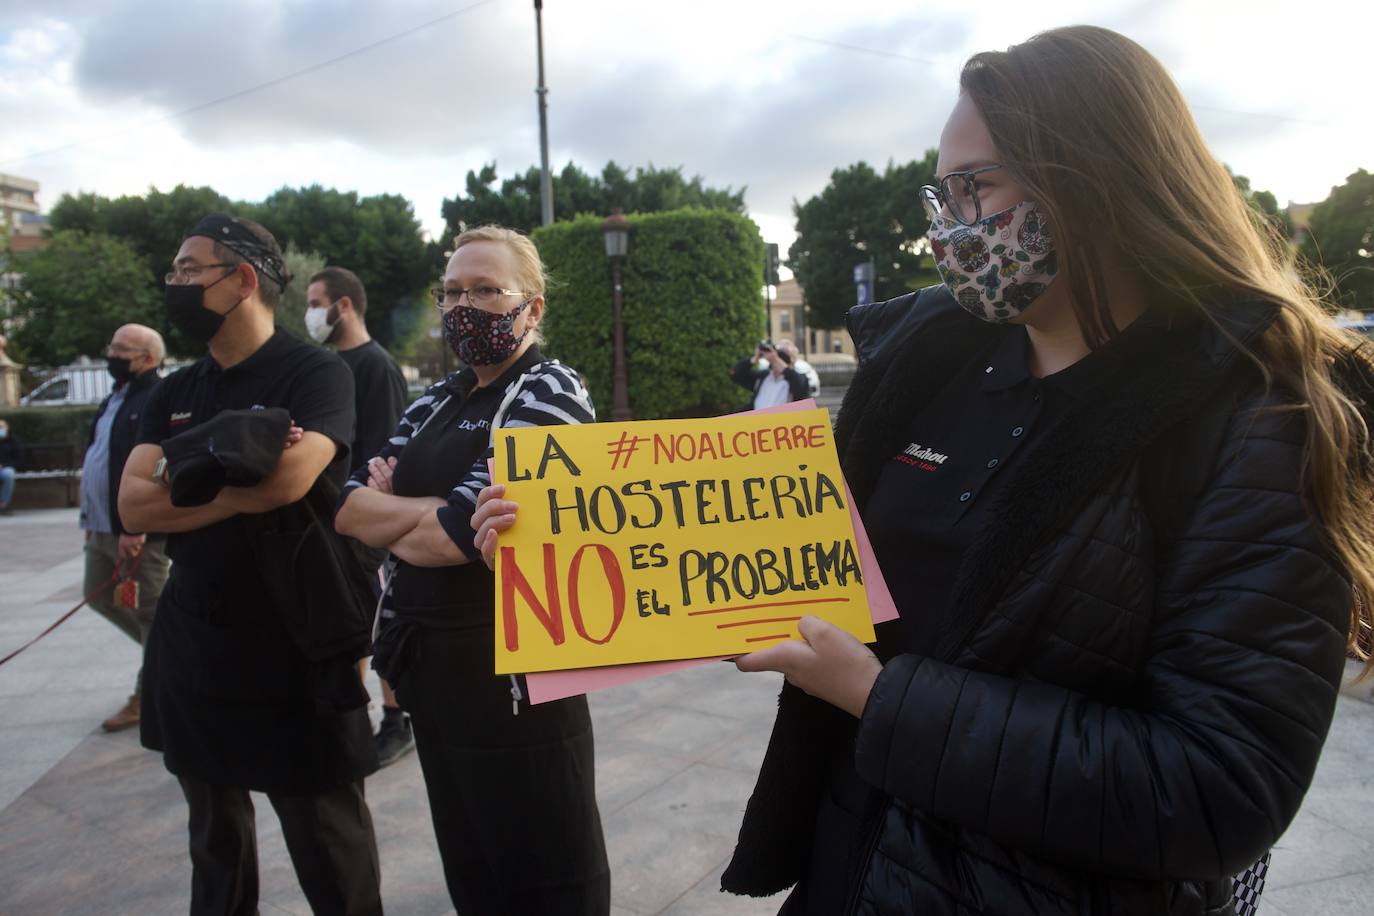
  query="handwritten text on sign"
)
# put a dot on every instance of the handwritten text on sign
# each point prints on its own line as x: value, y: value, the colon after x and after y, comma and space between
x: 671, y: 539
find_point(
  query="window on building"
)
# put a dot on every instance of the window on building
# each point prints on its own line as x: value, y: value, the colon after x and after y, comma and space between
x: 785, y: 321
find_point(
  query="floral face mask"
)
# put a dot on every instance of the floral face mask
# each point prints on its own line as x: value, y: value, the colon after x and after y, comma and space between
x: 998, y: 266
x: 482, y: 338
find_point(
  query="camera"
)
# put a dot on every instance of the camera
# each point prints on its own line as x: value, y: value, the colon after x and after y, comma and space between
x: 765, y: 345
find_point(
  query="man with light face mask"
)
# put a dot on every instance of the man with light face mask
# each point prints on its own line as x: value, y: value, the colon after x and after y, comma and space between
x: 336, y: 305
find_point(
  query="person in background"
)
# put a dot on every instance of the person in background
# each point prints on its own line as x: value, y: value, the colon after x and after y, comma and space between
x: 133, y: 357
x: 335, y: 316
x: 769, y: 374
x: 805, y: 369
x: 11, y: 454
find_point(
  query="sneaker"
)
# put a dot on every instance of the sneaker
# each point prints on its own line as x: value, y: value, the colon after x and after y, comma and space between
x: 394, y: 738
x: 127, y: 717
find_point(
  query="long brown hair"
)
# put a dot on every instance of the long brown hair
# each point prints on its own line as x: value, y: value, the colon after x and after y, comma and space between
x: 1101, y: 138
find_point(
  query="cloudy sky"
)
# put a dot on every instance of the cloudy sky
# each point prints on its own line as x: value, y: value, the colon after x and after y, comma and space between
x: 114, y: 96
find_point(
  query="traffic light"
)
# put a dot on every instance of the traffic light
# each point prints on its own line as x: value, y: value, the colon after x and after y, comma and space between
x: 770, y: 265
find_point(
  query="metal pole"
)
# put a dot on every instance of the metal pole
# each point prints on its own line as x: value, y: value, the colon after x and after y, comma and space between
x: 620, y: 390
x: 545, y: 181
x: 767, y: 308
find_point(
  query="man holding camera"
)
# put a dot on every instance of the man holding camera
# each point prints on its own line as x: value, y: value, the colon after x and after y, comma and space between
x: 769, y: 374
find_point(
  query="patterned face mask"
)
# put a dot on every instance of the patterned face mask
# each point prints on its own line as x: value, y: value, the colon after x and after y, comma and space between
x: 482, y: 338
x: 998, y: 266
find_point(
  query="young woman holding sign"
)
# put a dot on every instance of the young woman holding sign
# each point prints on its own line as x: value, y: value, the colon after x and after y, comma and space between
x: 1129, y: 563
x: 511, y: 787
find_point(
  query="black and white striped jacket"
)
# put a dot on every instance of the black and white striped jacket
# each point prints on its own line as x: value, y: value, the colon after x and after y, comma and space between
x: 545, y: 393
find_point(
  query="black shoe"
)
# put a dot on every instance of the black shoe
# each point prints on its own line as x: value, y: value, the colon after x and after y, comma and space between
x: 394, y: 738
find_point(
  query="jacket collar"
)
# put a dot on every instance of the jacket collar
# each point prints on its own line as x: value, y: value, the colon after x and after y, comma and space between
x: 464, y: 381
x: 139, y: 382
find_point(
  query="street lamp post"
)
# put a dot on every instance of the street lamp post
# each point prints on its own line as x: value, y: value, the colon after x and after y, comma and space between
x: 616, y: 230
x: 545, y: 181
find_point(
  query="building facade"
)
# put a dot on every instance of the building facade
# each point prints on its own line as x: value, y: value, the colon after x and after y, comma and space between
x: 18, y: 196
x: 787, y: 321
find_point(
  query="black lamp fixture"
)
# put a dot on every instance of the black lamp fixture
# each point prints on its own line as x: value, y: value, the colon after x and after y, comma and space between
x: 616, y: 231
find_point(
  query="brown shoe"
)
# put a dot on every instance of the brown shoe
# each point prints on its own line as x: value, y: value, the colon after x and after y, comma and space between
x: 125, y: 718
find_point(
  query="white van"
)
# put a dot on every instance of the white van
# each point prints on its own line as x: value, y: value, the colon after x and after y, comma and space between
x: 85, y: 382
x: 78, y: 383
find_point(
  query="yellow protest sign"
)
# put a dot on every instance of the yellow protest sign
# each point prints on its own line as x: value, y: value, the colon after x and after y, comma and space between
x: 671, y: 539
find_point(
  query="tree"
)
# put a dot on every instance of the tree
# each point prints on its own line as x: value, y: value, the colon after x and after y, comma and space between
x: 153, y: 225
x: 1340, y: 237
x: 1263, y: 203
x: 75, y: 293
x: 862, y: 214
x: 516, y: 204
x: 693, y: 305
x: 377, y: 237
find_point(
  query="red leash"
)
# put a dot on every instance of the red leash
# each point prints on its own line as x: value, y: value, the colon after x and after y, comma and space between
x: 114, y: 577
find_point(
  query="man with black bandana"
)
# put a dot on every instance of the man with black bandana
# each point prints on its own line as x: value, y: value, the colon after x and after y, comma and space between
x: 229, y: 698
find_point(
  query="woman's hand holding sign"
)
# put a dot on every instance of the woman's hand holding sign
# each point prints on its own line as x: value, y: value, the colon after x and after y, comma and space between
x: 492, y: 516
x: 830, y: 665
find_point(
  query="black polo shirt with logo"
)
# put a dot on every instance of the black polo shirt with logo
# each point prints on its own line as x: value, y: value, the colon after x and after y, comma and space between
x: 934, y: 495
x: 313, y: 385
x: 228, y: 697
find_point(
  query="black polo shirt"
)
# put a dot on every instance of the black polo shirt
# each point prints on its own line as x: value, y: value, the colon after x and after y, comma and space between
x: 313, y: 385
x: 933, y: 496
x: 379, y: 396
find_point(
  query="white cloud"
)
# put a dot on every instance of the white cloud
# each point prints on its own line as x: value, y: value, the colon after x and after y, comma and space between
x: 744, y: 93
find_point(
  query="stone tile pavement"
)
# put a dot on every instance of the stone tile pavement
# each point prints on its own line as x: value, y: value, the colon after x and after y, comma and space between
x: 92, y: 824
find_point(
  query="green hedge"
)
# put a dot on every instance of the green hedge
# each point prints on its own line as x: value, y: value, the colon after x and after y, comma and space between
x: 693, y: 288
x: 69, y: 425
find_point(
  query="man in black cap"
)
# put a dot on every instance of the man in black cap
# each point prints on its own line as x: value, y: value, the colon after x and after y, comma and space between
x: 230, y: 696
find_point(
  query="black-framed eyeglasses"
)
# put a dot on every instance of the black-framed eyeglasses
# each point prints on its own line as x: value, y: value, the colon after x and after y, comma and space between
x: 445, y: 300
x: 958, y: 194
x: 189, y: 273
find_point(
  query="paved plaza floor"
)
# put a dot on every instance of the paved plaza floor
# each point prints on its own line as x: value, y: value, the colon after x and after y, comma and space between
x: 92, y: 824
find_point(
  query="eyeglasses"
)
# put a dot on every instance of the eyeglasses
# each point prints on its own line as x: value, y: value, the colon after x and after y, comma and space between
x: 957, y: 193
x: 446, y: 300
x: 189, y: 273
x: 122, y: 350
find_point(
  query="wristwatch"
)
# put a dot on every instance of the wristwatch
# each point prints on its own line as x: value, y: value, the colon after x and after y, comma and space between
x: 159, y: 475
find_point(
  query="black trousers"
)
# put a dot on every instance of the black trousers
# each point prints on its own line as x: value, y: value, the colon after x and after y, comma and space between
x: 329, y: 836
x: 513, y: 797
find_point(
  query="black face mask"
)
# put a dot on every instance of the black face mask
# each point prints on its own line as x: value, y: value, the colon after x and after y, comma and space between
x: 188, y: 314
x: 119, y: 369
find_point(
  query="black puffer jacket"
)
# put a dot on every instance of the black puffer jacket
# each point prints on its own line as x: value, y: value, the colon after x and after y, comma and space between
x: 1103, y: 729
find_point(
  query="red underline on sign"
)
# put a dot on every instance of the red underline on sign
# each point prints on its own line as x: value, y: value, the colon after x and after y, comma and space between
x: 765, y: 638
x: 750, y: 623
x: 751, y: 607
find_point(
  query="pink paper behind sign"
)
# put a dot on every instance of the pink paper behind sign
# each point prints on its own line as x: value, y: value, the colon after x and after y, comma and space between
x: 556, y: 685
